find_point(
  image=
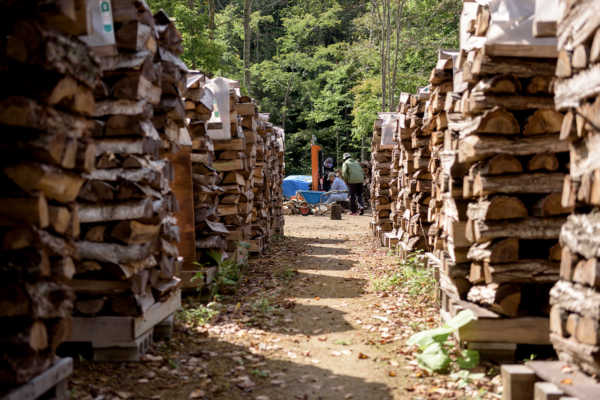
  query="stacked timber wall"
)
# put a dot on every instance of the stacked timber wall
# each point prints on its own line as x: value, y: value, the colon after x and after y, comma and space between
x: 128, y: 251
x: 574, y: 320
x: 48, y: 78
x: 485, y: 167
x: 111, y: 183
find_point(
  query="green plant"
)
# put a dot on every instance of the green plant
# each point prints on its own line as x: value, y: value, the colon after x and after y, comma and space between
x: 465, y: 377
x: 228, y: 271
x: 410, y: 273
x: 260, y: 373
x: 197, y: 316
x: 287, y: 274
x: 263, y: 306
x: 436, y: 350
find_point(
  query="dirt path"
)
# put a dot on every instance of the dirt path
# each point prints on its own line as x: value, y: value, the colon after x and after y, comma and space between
x: 305, y: 324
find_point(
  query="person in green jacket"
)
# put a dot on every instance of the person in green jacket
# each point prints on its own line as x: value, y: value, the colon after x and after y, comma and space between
x: 353, y: 175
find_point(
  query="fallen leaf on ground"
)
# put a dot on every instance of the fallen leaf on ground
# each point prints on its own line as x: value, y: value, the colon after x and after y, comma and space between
x: 197, y: 394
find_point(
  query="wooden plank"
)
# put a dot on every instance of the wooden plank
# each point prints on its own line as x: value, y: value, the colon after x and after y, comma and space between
x: 546, y: 391
x: 571, y: 92
x: 114, y: 331
x: 515, y: 39
x: 183, y: 189
x: 157, y: 313
x: 582, y: 386
x: 490, y: 327
x: 517, y: 382
x: 58, y: 372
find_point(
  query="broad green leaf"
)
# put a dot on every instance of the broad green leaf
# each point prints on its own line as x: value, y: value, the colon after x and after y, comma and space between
x: 434, y: 358
x: 461, y: 319
x: 426, y: 338
x: 469, y: 359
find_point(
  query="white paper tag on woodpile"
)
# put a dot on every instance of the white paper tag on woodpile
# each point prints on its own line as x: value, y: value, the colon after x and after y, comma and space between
x: 102, y: 32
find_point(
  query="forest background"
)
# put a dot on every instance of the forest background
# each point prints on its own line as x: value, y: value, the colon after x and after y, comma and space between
x: 321, y: 68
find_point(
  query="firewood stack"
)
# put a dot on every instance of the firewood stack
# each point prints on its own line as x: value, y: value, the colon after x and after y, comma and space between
x: 575, y: 298
x: 268, y: 175
x: 414, y: 179
x: 507, y: 137
x: 127, y: 248
x: 274, y: 181
x: 235, y: 160
x: 210, y: 232
x: 47, y: 78
x: 391, y: 238
x: 436, y: 122
x: 381, y: 156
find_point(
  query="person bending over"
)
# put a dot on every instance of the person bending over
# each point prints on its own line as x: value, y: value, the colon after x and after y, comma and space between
x: 338, y: 189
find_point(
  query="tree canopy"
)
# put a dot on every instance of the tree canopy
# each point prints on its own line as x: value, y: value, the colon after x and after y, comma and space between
x: 321, y: 68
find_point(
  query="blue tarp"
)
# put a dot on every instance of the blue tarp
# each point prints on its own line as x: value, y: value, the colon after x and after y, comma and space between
x: 293, y: 183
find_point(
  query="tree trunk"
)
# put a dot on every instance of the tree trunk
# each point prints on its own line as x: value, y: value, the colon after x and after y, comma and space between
x: 247, y: 41
x: 211, y: 19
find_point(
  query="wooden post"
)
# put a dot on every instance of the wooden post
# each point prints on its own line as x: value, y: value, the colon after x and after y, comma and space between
x: 517, y: 382
x: 184, y: 192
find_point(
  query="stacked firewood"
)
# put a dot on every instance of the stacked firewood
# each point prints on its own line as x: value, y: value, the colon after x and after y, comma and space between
x: 414, y: 179
x: 381, y: 203
x: 268, y: 176
x: 235, y: 160
x: 436, y: 122
x: 507, y: 138
x: 576, y: 297
x: 128, y: 253
x: 274, y: 180
x: 210, y: 233
x: 48, y: 78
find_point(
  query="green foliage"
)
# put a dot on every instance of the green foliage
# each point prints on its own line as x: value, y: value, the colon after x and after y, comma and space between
x: 411, y: 274
x: 435, y: 348
x: 197, y: 316
x: 228, y: 274
x: 263, y: 306
x: 315, y: 64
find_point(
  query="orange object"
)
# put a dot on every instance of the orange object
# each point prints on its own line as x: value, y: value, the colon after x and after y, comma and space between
x: 314, y: 155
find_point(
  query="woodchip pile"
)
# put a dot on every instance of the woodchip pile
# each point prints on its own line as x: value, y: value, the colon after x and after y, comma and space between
x: 576, y: 298
x: 48, y: 78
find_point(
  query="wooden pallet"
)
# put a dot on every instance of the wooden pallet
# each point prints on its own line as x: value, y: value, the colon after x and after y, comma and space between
x: 547, y: 380
x: 494, y: 336
x: 122, y: 338
x: 50, y: 384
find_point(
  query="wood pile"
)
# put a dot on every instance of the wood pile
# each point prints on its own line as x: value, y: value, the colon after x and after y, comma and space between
x: 381, y: 157
x: 576, y: 297
x: 414, y: 179
x: 48, y: 78
x: 235, y: 160
x: 127, y: 251
x: 506, y: 137
x: 446, y: 234
x: 210, y: 233
x: 267, y: 214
